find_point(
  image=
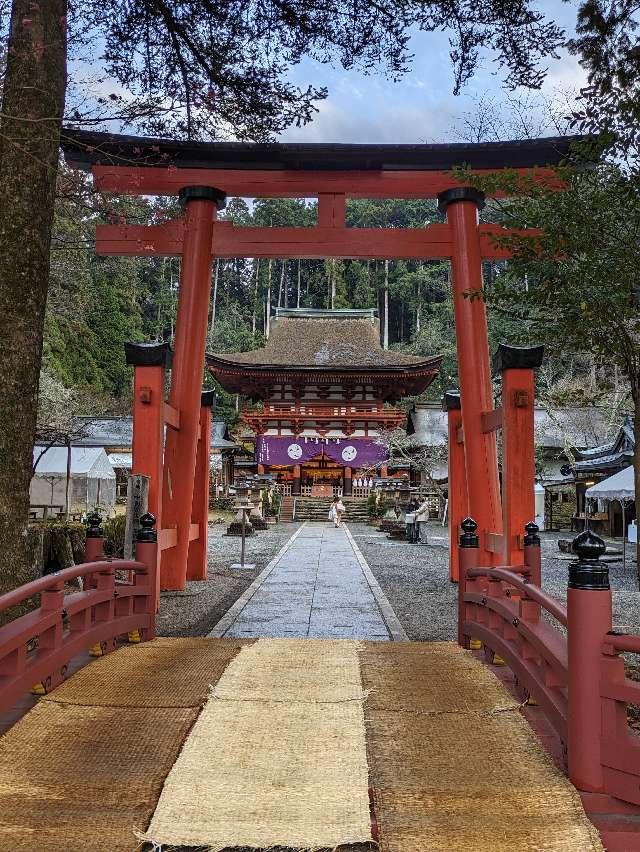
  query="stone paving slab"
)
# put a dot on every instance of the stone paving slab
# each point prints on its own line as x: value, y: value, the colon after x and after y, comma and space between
x: 319, y: 586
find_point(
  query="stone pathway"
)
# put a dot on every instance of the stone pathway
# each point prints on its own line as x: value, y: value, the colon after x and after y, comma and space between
x: 319, y: 586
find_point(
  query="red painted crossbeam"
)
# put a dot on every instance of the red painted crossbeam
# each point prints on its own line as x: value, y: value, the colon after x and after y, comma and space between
x: 431, y: 242
x: 289, y: 183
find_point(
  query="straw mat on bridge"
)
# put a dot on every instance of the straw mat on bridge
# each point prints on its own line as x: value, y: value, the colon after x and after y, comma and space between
x: 277, y: 757
x: 429, y: 677
x: 453, y: 764
x: 84, y: 778
x: 161, y: 673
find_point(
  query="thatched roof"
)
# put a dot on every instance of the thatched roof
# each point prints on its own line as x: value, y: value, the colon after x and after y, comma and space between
x: 324, y: 340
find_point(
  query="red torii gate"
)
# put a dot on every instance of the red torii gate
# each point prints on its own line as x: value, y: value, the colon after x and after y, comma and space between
x: 202, y: 175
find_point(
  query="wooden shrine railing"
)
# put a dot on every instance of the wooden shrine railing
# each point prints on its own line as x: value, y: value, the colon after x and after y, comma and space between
x: 118, y: 600
x: 567, y: 659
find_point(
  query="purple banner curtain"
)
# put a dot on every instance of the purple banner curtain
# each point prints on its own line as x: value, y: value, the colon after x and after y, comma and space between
x: 355, y: 452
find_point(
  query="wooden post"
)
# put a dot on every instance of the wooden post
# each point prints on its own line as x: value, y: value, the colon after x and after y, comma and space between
x: 150, y: 362
x: 147, y: 552
x: 469, y: 553
x: 588, y: 622
x: 458, y: 507
x: 516, y: 364
x: 476, y: 392
x: 297, y: 477
x: 137, y: 506
x: 197, y: 560
x: 201, y: 206
x: 93, y: 546
x: 348, y: 482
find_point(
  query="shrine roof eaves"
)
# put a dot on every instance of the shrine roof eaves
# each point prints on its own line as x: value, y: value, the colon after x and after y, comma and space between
x: 229, y: 362
x: 82, y: 149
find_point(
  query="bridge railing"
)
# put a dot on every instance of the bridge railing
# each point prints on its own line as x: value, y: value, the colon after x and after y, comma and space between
x: 567, y: 659
x: 118, y: 599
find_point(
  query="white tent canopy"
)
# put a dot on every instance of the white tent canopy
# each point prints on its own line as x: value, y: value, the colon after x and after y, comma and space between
x: 620, y: 486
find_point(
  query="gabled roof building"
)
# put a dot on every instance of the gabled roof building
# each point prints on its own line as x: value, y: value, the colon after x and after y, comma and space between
x: 325, y: 391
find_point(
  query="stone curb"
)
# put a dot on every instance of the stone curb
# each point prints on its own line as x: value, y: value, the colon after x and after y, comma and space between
x: 389, y: 617
x: 235, y: 609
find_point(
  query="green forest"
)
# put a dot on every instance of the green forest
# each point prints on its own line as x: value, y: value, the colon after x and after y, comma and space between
x: 96, y: 304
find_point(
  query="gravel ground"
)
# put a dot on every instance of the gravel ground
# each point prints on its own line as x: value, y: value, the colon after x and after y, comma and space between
x: 415, y: 578
x: 198, y: 609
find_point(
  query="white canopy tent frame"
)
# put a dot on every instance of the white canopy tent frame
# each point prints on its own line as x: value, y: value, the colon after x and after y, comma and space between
x: 621, y: 487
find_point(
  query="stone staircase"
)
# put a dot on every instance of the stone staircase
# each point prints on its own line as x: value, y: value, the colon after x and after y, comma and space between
x: 317, y: 509
x: 286, y: 510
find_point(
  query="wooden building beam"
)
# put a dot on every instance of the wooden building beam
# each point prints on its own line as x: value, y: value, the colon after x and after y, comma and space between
x: 432, y: 242
x: 289, y: 183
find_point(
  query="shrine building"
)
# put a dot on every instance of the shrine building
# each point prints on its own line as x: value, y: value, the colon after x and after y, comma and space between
x: 326, y: 393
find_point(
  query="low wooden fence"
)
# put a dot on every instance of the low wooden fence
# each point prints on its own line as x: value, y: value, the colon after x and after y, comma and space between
x: 566, y: 658
x: 117, y: 601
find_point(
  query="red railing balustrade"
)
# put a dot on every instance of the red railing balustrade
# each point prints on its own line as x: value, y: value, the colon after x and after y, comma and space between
x: 572, y: 668
x: 118, y: 600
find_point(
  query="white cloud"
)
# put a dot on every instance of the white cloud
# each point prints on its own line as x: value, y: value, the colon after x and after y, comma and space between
x: 382, y: 123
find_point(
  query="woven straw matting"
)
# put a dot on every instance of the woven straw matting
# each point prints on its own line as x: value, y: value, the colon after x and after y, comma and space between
x: 84, y: 778
x: 162, y: 673
x: 308, y: 670
x: 472, y: 779
x: 258, y: 773
x: 437, y: 677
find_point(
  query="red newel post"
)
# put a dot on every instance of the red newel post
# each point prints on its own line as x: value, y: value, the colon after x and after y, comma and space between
x: 201, y: 205
x: 476, y: 389
x: 93, y: 546
x: 588, y: 622
x: 533, y: 567
x: 468, y: 559
x: 147, y: 552
x: 532, y: 553
x: 458, y: 505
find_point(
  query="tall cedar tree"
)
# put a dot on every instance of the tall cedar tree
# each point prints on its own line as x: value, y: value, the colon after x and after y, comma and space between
x: 188, y: 67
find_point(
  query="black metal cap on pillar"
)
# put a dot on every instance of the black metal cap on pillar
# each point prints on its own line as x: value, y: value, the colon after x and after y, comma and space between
x: 531, y: 537
x: 451, y: 400
x: 203, y: 193
x: 460, y: 193
x: 208, y: 398
x: 147, y: 531
x: 153, y: 354
x: 508, y: 357
x: 588, y: 572
x: 469, y: 537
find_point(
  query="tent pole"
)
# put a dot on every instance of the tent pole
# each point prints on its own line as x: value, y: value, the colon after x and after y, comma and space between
x: 624, y: 537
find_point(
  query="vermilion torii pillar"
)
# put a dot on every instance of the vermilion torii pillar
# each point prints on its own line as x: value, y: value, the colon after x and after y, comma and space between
x: 201, y: 206
x: 461, y: 206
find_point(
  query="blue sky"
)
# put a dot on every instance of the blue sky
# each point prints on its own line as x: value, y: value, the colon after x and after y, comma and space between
x: 422, y: 107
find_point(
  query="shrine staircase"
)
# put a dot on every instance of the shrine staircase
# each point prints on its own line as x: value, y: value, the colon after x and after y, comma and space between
x: 317, y: 509
x: 286, y: 510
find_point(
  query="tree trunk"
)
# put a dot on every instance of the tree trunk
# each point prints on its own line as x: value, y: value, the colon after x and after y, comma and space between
x: 267, y: 321
x: 635, y: 393
x: 32, y: 108
x: 67, y: 481
x: 298, y: 295
x: 418, y: 302
x: 214, y: 299
x: 255, y: 298
x: 385, y: 296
